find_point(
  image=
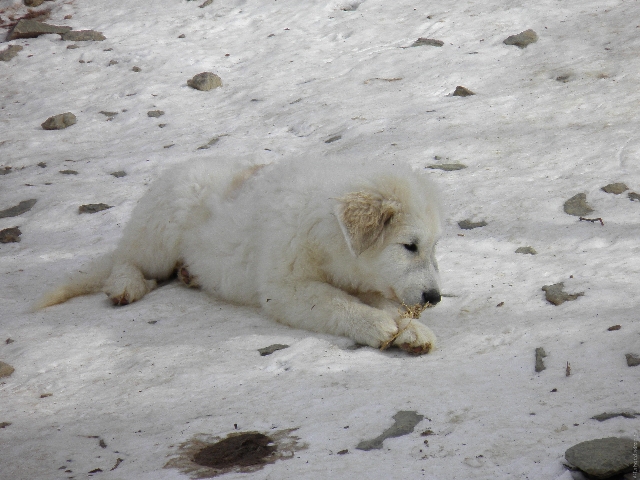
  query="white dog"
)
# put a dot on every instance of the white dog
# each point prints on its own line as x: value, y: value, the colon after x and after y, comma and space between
x: 332, y: 248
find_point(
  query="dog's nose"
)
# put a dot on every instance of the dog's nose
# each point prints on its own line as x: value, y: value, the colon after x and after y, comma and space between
x: 431, y: 296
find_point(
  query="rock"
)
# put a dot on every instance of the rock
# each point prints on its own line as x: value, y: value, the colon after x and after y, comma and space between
x: 606, y: 416
x: 68, y: 172
x: 109, y: 115
x: 206, y: 3
x: 613, y: 328
x: 522, y: 39
x: 9, y: 52
x: 32, y: 28
x: 334, y: 138
x: 427, y: 41
x: 119, y: 174
x: 461, y: 91
x: 4, y: 424
x: 209, y: 144
x: 205, y: 81
x: 405, y: 422
x: 5, y: 170
x: 136, y: 69
x: 5, y: 369
x: 469, y: 225
x: 155, y: 113
x: 633, y: 360
x: 540, y: 354
x: 448, y: 167
x: 615, y: 188
x: 59, y: 122
x: 602, y: 458
x: 563, y: 78
x: 577, y: 205
x: 526, y: 250
x: 271, y: 348
x: 83, y: 36
x: 33, y: 3
x: 19, y: 209
x: 10, y: 235
x: 93, y: 207
x: 112, y: 62
x: 555, y: 294
x: 634, y: 197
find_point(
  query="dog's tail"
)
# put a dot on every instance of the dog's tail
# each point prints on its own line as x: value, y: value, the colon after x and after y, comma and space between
x: 83, y: 282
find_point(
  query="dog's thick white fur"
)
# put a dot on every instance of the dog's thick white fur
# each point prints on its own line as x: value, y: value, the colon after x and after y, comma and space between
x: 332, y: 248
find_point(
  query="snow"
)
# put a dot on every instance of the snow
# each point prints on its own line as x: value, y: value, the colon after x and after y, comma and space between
x: 330, y: 68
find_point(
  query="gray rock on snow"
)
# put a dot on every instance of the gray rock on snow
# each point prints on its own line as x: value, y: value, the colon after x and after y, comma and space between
x: 577, y: 205
x: 606, y: 415
x: 155, y: 113
x: 469, y: 225
x: 93, y: 207
x: 461, y: 91
x: 428, y: 42
x: 634, y: 197
x: 633, y: 360
x: 205, y: 81
x: 522, y: 39
x: 32, y: 28
x: 540, y: 354
x: 22, y: 207
x: 602, y: 458
x: 59, y: 122
x: 405, y: 422
x: 447, y: 167
x: 83, y: 36
x: 615, y: 188
x: 10, y: 235
x: 556, y: 295
x: 5, y: 369
x: 9, y: 52
x: 526, y: 250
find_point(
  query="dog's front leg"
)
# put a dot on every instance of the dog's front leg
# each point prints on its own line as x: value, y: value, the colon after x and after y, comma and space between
x: 320, y: 307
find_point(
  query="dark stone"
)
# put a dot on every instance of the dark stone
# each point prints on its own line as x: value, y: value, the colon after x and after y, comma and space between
x: 32, y: 28
x: 10, y: 235
x: 577, y: 205
x: 6, y: 369
x: 83, y: 36
x: 237, y: 450
x: 634, y: 197
x: 205, y: 81
x: 19, y: 209
x: 5, y: 170
x: 93, y: 208
x: 448, y: 167
x: 633, y: 360
x: 469, y: 225
x: 68, y: 172
x: 9, y: 52
x: 405, y: 422
x: 606, y: 416
x: 119, y: 174
x: 522, y: 39
x: 206, y: 3
x: 615, y: 188
x: 4, y: 424
x: 602, y: 458
x: 540, y: 354
x: 332, y: 139
x: 59, y: 122
x: 427, y: 41
x: 136, y: 69
x: 271, y: 348
x: 155, y: 113
x: 461, y: 91
x: 33, y: 3
x: 526, y: 250
x: 556, y: 295
x: 110, y: 115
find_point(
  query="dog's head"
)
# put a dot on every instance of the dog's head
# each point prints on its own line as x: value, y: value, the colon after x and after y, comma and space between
x: 391, y: 227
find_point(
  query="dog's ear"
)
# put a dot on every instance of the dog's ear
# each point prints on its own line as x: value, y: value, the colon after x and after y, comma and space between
x: 363, y: 217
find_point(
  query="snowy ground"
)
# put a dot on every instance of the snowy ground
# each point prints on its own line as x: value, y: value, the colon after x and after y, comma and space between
x: 296, y: 74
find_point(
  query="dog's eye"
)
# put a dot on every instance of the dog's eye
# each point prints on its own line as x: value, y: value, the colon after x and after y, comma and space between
x: 412, y: 247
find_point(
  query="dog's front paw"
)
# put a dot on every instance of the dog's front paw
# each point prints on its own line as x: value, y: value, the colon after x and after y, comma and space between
x: 182, y: 272
x: 414, y: 337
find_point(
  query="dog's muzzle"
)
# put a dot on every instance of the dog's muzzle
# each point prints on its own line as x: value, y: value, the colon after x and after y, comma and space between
x: 431, y: 296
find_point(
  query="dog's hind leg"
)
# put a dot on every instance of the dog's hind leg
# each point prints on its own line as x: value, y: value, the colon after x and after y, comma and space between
x: 126, y: 284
